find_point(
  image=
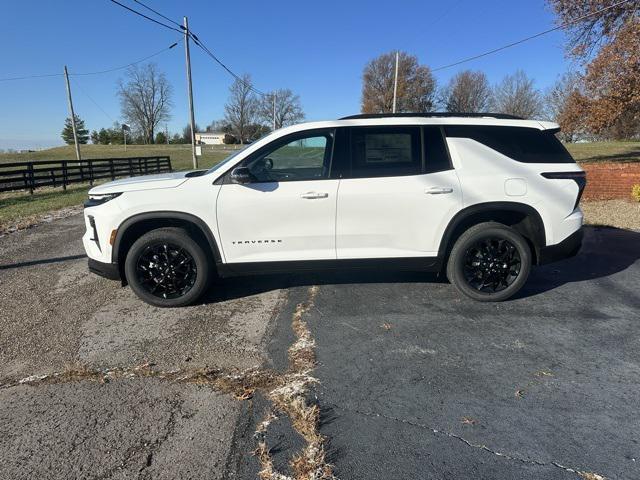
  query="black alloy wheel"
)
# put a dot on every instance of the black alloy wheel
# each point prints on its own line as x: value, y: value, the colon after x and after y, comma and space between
x: 166, y: 270
x: 491, y: 264
x: 169, y: 267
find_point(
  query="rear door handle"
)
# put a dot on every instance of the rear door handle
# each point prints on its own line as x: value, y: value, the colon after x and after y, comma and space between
x: 314, y: 195
x: 438, y: 190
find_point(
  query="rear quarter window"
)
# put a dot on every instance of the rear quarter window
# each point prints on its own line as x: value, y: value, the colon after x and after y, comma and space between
x: 527, y: 145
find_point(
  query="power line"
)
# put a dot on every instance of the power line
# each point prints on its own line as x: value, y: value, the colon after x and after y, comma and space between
x: 25, y: 77
x: 10, y: 79
x: 445, y: 13
x: 145, y: 16
x: 195, y: 39
x: 128, y: 64
x: 234, y: 75
x: 518, y: 42
x: 159, y: 14
x: 84, y: 92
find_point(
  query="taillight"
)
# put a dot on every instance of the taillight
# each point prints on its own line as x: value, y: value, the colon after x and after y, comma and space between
x: 579, y: 177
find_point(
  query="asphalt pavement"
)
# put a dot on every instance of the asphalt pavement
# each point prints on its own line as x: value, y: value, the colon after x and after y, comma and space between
x: 56, y: 316
x: 415, y: 380
x: 419, y: 382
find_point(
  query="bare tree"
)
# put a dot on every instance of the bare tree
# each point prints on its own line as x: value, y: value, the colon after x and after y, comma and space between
x: 556, y: 96
x: 517, y: 95
x: 558, y: 105
x: 145, y: 99
x: 241, y: 108
x: 467, y: 91
x: 416, y: 85
x: 288, y: 109
x: 591, y: 32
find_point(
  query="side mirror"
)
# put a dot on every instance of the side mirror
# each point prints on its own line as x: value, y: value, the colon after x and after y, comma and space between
x: 242, y: 175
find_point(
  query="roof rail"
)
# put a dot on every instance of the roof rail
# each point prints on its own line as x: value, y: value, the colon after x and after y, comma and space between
x: 503, y: 116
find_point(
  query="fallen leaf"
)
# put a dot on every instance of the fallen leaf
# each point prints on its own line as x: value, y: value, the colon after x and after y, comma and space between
x: 386, y: 326
x: 469, y: 421
x: 591, y: 476
x: 519, y: 393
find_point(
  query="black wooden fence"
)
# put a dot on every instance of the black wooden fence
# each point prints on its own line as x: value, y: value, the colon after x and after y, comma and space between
x: 60, y: 173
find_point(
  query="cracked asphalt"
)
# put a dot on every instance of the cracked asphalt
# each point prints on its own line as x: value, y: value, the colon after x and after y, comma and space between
x: 419, y: 382
x: 415, y: 381
x: 55, y: 315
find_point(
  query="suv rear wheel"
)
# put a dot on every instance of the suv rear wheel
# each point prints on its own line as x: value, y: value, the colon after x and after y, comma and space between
x: 168, y: 268
x: 490, y: 262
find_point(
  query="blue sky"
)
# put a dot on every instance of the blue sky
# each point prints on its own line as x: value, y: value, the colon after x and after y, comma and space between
x: 317, y: 49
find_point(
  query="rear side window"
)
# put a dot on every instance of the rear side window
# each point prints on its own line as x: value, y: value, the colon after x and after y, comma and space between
x: 436, y: 154
x: 385, y: 152
x: 527, y: 145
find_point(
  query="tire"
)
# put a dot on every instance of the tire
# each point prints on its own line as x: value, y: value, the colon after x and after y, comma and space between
x: 168, y: 268
x: 490, y: 262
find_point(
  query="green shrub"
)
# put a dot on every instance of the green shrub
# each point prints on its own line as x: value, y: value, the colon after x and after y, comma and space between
x: 635, y: 192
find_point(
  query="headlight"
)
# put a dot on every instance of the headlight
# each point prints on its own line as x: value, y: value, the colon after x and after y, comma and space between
x: 95, y: 200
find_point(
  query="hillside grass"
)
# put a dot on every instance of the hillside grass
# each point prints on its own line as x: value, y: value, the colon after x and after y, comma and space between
x: 605, y: 151
x: 180, y: 154
x: 16, y: 205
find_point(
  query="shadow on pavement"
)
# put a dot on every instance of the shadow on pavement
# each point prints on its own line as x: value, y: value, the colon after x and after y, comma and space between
x: 605, y: 251
x: 44, y: 261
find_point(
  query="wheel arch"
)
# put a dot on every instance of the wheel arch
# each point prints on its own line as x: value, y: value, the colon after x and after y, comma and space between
x: 135, y: 226
x: 525, y: 219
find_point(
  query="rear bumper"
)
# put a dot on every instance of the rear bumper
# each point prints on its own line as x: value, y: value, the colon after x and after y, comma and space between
x: 567, y: 248
x: 107, y: 270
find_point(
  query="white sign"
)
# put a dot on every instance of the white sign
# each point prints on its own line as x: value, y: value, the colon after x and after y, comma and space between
x: 198, y: 150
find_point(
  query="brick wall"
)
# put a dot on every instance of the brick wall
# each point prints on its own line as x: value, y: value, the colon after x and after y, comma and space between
x: 607, y: 181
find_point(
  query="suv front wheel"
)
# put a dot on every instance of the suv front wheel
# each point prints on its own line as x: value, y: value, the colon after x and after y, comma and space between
x: 168, y: 268
x: 489, y: 262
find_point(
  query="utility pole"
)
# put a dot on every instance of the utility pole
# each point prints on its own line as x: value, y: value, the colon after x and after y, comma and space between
x: 192, y: 119
x: 73, y: 115
x: 395, y: 85
x: 274, y: 110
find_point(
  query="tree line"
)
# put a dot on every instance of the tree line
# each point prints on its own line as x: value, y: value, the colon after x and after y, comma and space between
x: 146, y: 100
x: 466, y: 92
x: 599, y: 98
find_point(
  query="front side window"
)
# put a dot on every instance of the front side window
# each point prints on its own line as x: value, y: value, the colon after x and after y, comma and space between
x: 385, y: 152
x: 302, y: 158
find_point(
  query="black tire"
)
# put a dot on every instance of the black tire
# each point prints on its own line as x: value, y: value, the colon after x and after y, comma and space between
x: 168, y: 268
x: 490, y: 262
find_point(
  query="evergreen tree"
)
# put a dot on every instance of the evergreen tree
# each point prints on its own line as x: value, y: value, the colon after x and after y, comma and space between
x: 161, y: 138
x: 104, y: 138
x: 67, y: 131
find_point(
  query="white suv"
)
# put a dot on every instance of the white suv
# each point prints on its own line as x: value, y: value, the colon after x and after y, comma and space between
x: 482, y: 196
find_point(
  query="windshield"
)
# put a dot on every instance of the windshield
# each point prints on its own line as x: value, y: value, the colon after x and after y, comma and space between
x: 226, y: 160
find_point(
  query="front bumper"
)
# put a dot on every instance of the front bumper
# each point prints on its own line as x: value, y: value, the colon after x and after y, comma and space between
x: 567, y: 248
x: 107, y: 270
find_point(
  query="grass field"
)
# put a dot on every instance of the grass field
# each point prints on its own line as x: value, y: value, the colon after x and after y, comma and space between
x: 180, y: 154
x: 18, y: 205
x: 605, y: 151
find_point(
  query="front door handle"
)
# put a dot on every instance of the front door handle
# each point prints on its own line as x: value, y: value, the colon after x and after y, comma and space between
x: 438, y: 190
x: 314, y: 195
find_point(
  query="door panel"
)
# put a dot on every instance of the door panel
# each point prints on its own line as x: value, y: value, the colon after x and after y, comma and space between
x: 278, y: 221
x: 288, y: 210
x: 403, y: 216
